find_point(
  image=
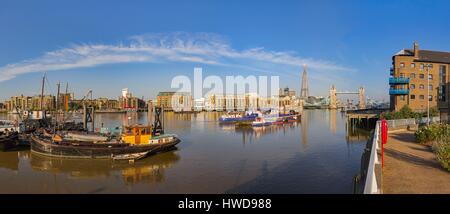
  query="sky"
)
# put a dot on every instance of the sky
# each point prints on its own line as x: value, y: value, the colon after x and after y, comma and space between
x: 142, y: 45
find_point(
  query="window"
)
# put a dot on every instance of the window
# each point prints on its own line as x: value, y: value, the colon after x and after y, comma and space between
x: 402, y: 97
x: 430, y: 87
x: 442, y: 93
x: 413, y: 96
x: 421, y: 97
x: 421, y: 76
x: 412, y: 86
x: 442, y: 74
x: 430, y: 97
x: 402, y: 65
x: 413, y: 65
x: 442, y: 81
x: 421, y: 66
x: 402, y: 75
x: 430, y: 76
x: 412, y: 75
x: 421, y: 86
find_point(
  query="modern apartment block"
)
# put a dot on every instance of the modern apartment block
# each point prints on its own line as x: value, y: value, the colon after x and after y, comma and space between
x: 128, y: 102
x: 184, y: 101
x: 26, y: 103
x: 418, y: 75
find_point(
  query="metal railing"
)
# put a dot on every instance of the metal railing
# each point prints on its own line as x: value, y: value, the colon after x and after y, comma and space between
x: 411, y: 121
x: 371, y: 185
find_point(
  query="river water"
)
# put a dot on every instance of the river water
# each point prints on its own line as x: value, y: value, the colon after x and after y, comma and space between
x: 315, y: 155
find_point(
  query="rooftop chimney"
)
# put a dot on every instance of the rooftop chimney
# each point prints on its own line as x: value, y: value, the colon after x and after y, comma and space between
x: 416, y: 49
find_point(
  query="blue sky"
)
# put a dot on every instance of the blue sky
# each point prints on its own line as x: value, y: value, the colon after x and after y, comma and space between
x: 142, y: 45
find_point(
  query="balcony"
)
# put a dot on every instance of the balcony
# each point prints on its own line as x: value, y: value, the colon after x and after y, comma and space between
x: 398, y: 91
x: 398, y: 81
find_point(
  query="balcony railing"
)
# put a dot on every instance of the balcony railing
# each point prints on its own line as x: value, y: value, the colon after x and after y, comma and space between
x: 398, y: 80
x: 398, y: 91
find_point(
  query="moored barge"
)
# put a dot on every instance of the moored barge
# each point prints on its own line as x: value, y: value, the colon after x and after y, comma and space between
x: 135, y: 140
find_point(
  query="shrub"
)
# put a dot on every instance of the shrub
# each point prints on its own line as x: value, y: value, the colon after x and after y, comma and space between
x: 405, y: 112
x: 439, y: 135
x: 424, y: 135
x: 431, y: 133
x: 442, y: 150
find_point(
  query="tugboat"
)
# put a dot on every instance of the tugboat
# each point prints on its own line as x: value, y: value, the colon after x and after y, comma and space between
x: 134, y: 144
x: 137, y: 141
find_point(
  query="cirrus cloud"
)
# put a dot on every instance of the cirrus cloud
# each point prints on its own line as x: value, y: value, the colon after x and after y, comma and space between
x: 203, y: 48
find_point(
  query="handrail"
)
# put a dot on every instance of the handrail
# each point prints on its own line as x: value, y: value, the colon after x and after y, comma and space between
x: 411, y: 121
x: 371, y: 185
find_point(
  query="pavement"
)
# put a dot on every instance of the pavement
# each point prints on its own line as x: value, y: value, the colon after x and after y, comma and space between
x: 410, y: 167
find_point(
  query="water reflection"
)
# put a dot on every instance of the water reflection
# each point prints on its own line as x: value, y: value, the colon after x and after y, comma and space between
x: 291, y: 158
x: 9, y: 160
x: 304, y: 129
x: 357, y: 136
x: 149, y: 170
x: 332, y: 119
x: 250, y: 134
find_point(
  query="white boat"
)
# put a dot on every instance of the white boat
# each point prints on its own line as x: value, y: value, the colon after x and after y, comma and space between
x: 264, y: 121
x: 134, y: 156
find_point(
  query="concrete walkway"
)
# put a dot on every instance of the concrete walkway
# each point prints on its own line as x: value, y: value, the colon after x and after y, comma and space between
x: 412, y: 168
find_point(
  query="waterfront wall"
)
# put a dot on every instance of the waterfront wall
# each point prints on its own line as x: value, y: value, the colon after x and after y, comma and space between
x: 370, y: 178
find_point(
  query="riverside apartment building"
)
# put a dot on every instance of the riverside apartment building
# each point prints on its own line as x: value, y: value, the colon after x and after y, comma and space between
x: 418, y: 75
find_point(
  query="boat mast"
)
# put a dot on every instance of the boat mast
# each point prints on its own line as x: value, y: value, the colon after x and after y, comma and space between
x: 42, y: 93
x: 57, y: 102
x: 64, y: 102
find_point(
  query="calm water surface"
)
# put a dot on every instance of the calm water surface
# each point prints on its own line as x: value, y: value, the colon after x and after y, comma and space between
x: 313, y: 156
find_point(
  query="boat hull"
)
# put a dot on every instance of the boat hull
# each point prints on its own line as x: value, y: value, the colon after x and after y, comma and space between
x: 276, y: 120
x: 9, y: 142
x: 235, y: 120
x: 45, y: 146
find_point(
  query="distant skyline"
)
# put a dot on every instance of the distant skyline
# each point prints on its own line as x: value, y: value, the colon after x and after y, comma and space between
x: 141, y: 45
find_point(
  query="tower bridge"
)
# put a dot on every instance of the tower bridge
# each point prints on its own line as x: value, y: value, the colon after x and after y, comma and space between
x: 334, y: 93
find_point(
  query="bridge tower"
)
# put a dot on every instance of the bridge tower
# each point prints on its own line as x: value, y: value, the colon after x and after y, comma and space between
x: 362, y: 98
x: 304, y: 91
x: 333, y: 98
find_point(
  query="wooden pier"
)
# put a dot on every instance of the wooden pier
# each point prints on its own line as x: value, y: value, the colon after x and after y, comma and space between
x: 362, y: 118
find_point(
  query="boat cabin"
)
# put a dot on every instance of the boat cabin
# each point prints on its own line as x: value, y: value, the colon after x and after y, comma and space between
x: 137, y: 134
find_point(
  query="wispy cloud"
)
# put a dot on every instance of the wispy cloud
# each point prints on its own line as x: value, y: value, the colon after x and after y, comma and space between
x: 202, y: 48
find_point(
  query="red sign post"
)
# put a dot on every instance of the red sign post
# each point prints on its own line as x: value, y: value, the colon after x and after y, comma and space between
x: 384, y: 134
